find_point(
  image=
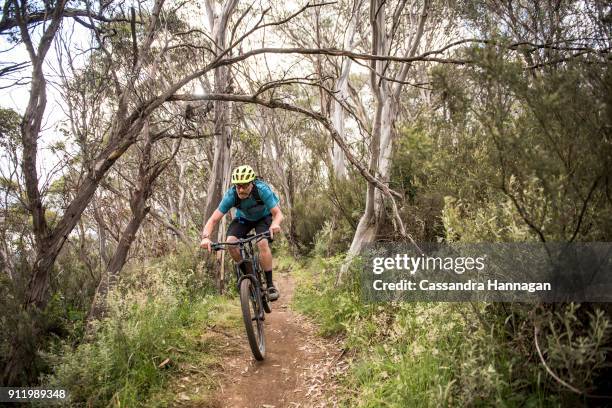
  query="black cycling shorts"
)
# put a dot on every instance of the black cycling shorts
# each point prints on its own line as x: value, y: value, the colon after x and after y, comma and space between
x: 240, y: 227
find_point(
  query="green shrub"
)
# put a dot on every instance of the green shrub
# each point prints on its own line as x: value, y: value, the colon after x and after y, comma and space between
x: 157, y: 312
x: 424, y: 354
x: 317, y: 297
x: 327, y: 215
x: 122, y: 363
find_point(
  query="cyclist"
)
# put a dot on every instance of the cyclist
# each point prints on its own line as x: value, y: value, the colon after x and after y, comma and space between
x: 256, y: 207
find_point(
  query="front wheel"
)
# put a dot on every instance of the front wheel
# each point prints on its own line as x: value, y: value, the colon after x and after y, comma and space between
x: 253, y: 318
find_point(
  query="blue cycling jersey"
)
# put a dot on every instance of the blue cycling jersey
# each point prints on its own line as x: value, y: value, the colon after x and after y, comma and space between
x: 249, y: 208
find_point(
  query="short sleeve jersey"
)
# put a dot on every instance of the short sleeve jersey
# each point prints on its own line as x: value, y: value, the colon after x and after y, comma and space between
x: 248, y: 208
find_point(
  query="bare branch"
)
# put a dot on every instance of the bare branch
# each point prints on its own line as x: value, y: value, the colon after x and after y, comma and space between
x: 584, y: 208
x: 8, y: 23
x: 276, y: 104
x: 13, y: 68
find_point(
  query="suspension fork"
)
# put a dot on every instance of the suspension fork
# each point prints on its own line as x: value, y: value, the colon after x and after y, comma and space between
x: 248, y: 261
x: 250, y: 258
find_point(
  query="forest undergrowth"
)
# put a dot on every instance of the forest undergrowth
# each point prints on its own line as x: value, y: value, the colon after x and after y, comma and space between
x: 451, y: 354
x: 159, y: 326
x: 161, y: 316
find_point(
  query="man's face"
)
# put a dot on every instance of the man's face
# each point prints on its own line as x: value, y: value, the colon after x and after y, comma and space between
x: 244, y: 190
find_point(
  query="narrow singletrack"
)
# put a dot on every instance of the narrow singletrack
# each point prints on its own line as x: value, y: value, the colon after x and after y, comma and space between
x: 298, y: 370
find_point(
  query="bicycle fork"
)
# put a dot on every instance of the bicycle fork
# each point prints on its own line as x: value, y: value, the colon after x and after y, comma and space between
x: 258, y: 294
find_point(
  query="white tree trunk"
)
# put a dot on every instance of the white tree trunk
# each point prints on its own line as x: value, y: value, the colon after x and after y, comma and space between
x: 380, y: 164
x: 342, y: 96
x: 339, y: 115
x: 218, y: 20
x: 221, y: 166
x: 181, y: 216
x: 387, y: 95
x: 385, y: 155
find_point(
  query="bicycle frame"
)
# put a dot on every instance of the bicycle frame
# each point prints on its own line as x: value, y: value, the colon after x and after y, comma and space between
x: 249, y: 258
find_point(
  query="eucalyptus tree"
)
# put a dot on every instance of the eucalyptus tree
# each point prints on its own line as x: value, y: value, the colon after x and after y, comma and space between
x: 390, y: 34
x: 542, y: 109
x: 341, y: 97
x: 123, y: 133
x: 218, y: 22
x: 335, y: 26
x: 279, y: 157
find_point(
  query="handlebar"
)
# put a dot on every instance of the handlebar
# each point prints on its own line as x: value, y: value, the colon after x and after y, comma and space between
x: 218, y: 246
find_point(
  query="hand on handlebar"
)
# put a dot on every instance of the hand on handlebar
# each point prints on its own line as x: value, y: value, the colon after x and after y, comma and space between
x: 206, y: 243
x: 273, y: 229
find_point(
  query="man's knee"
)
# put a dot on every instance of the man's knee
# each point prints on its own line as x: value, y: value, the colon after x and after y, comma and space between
x: 263, y: 245
x: 232, y: 248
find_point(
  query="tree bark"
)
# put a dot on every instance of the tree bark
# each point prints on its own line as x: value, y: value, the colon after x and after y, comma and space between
x: 221, y: 166
x: 342, y: 94
x: 20, y: 360
x: 218, y: 21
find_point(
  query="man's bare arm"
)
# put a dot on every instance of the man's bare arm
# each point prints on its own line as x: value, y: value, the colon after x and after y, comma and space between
x: 208, y: 228
x: 277, y: 218
x: 210, y: 224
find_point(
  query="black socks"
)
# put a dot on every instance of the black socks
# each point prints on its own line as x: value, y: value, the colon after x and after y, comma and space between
x: 269, y: 277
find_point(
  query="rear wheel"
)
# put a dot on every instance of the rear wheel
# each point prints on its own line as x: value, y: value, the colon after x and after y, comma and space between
x: 253, y: 318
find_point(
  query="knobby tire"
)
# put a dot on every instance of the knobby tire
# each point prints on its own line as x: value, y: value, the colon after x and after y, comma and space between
x: 250, y: 311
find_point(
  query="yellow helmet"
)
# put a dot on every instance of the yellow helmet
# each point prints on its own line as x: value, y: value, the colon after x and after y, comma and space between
x: 243, y: 174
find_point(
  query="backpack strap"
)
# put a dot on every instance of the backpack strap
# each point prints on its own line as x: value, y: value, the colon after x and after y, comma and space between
x: 254, y: 194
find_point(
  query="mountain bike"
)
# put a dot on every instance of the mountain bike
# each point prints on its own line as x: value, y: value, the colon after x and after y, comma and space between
x: 253, y: 298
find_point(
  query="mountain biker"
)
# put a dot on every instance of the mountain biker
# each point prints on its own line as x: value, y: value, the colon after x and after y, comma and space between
x: 256, y: 207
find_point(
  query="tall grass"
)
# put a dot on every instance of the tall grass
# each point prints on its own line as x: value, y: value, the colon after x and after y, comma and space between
x: 153, y: 330
x: 422, y: 354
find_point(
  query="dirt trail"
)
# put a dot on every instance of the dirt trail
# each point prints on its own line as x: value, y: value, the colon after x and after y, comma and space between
x: 297, y: 370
